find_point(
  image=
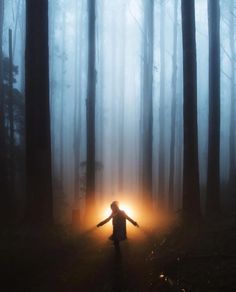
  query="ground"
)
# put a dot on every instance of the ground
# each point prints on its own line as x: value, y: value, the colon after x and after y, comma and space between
x: 174, y: 259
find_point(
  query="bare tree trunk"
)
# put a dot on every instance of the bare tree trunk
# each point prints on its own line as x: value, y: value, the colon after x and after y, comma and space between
x: 38, y: 137
x: 101, y: 102
x: 173, y: 109
x: 147, y: 96
x: 5, y: 206
x: 191, y: 189
x: 62, y: 105
x: 161, y: 156
x: 213, y: 172
x: 78, y: 103
x: 11, y: 116
x: 91, y: 92
x: 232, y: 136
x: 23, y: 36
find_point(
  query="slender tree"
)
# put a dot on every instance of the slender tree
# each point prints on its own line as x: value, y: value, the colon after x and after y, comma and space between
x: 11, y: 115
x: 22, y: 47
x: 101, y: 115
x: 173, y: 108
x: 62, y: 102
x: 38, y: 138
x: 5, y: 205
x: 161, y: 150
x: 147, y: 100
x: 78, y: 102
x: 232, y: 137
x: 213, y: 171
x: 191, y: 189
x: 91, y: 92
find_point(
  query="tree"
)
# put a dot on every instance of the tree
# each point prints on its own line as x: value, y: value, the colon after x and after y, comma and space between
x: 147, y: 101
x: 5, y: 194
x: 161, y: 153
x: 232, y: 144
x: 191, y: 189
x: 213, y: 171
x: 173, y: 108
x: 90, y: 118
x: 78, y: 103
x: 38, y: 138
x: 11, y: 115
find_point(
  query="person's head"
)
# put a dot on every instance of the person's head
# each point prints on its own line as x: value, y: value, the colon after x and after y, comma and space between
x: 115, y: 206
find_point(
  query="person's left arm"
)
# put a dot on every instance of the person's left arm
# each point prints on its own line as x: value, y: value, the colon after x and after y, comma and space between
x: 131, y: 220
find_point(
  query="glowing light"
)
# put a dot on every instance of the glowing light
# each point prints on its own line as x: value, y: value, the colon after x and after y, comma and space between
x: 123, y: 206
x: 128, y: 209
x: 161, y: 276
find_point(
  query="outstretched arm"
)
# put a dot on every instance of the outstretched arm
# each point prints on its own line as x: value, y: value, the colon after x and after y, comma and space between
x: 132, y: 221
x: 104, y: 221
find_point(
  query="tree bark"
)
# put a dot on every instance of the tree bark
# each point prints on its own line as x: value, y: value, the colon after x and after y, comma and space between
x: 191, y: 189
x: 62, y: 105
x: 213, y: 171
x: 11, y: 116
x: 5, y: 206
x: 173, y: 109
x: 91, y: 92
x: 147, y: 106
x: 78, y: 104
x: 161, y: 152
x: 232, y: 136
x: 38, y: 137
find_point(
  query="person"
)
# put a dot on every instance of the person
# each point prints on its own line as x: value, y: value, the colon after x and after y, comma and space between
x: 119, y: 224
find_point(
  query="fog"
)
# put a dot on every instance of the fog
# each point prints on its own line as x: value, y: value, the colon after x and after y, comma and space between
x: 120, y: 39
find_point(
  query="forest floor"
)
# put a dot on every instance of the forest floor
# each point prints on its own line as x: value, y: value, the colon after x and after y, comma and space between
x: 167, y: 259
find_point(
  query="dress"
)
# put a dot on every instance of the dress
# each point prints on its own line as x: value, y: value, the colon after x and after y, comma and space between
x: 119, y: 226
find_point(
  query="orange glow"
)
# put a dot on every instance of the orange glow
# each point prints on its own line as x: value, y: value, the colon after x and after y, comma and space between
x: 123, y: 206
x: 139, y: 210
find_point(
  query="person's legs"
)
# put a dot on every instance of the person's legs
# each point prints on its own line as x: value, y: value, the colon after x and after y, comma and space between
x: 117, y: 245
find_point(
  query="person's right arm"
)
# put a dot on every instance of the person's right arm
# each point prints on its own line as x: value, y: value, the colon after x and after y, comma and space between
x: 104, y: 221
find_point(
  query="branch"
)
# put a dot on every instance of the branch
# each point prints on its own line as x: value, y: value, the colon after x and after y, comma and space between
x: 226, y: 75
x: 227, y: 54
x: 139, y: 25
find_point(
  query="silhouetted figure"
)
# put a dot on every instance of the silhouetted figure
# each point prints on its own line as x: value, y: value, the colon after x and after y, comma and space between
x: 119, y: 224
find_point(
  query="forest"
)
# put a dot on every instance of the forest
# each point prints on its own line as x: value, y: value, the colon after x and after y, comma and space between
x: 125, y: 100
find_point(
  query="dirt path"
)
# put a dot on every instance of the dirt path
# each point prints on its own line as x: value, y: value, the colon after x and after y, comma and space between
x: 85, y: 262
x: 96, y: 266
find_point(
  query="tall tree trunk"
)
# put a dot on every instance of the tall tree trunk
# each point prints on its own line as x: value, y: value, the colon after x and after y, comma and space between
x: 147, y: 96
x: 101, y: 115
x: 78, y: 103
x: 191, y: 189
x: 213, y: 171
x: 38, y: 137
x: 91, y: 92
x: 5, y: 205
x: 11, y: 116
x: 173, y: 108
x: 62, y: 105
x: 22, y: 47
x: 232, y: 136
x: 161, y: 153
